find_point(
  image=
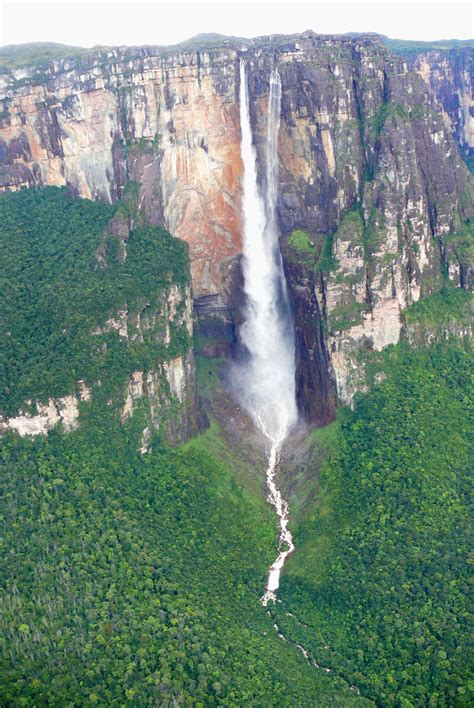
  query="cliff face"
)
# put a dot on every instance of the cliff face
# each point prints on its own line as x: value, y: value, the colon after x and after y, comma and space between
x: 167, y: 391
x: 95, y: 317
x: 315, y: 385
x: 170, y: 122
x: 373, y: 197
x: 368, y: 171
x: 450, y: 77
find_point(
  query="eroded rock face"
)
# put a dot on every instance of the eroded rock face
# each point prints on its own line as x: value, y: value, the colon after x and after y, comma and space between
x: 170, y: 397
x: 370, y: 172
x: 450, y: 76
x: 170, y: 122
x: 167, y: 393
x: 361, y: 132
x: 316, y: 389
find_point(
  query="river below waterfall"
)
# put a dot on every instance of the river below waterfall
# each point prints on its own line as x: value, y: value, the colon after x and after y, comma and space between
x: 286, y: 540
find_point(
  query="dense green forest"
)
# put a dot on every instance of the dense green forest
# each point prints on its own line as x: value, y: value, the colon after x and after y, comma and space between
x: 62, y: 278
x: 379, y: 583
x: 135, y: 580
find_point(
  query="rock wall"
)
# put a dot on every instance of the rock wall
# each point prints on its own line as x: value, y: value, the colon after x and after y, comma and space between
x: 368, y: 169
x: 169, y: 394
x: 371, y: 177
x: 450, y: 77
x: 168, y: 391
x: 168, y: 121
x: 315, y: 383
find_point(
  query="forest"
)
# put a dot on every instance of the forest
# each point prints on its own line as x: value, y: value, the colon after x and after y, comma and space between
x: 135, y: 580
x: 128, y: 579
x: 378, y: 590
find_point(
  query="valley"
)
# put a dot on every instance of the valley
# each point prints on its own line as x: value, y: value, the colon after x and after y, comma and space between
x: 237, y: 373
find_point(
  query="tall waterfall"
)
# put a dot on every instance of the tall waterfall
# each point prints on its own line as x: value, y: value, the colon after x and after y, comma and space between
x: 267, y: 377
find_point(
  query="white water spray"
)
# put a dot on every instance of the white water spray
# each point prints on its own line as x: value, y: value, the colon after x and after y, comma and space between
x: 268, y: 376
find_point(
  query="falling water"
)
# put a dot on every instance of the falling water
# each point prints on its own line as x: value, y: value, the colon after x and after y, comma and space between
x: 267, y: 378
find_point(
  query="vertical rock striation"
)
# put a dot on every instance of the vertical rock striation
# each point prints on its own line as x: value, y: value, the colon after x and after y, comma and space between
x: 450, y: 77
x: 167, y: 120
x: 369, y: 172
x: 168, y: 390
x: 371, y: 180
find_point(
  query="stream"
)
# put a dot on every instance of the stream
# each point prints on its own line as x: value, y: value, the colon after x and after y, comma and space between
x: 286, y: 539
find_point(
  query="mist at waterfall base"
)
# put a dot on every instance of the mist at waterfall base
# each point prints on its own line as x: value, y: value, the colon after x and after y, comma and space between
x: 266, y: 374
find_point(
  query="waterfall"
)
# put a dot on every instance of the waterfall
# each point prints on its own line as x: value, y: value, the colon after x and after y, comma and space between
x: 267, y: 377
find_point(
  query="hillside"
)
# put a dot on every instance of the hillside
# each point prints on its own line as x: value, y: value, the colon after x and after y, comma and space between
x: 129, y: 577
x: 378, y: 588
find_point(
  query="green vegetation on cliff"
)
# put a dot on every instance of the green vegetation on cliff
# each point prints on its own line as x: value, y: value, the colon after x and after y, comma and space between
x: 449, y: 307
x: 300, y: 241
x: 62, y: 280
x: 379, y: 580
x: 37, y: 54
x: 461, y: 244
x: 408, y: 46
x: 313, y: 252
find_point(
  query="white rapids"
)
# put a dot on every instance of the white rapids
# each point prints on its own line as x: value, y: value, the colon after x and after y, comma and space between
x: 267, y: 377
x: 286, y: 539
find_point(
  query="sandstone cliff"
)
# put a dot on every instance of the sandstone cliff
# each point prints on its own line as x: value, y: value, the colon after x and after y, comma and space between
x: 369, y: 172
x: 450, y: 76
x: 374, y: 199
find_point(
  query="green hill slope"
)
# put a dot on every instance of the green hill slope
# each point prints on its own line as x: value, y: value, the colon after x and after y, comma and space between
x: 379, y: 583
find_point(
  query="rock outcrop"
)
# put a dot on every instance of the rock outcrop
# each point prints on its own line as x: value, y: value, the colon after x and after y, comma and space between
x: 167, y: 392
x: 45, y: 416
x: 372, y: 195
x: 368, y: 170
x: 168, y: 120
